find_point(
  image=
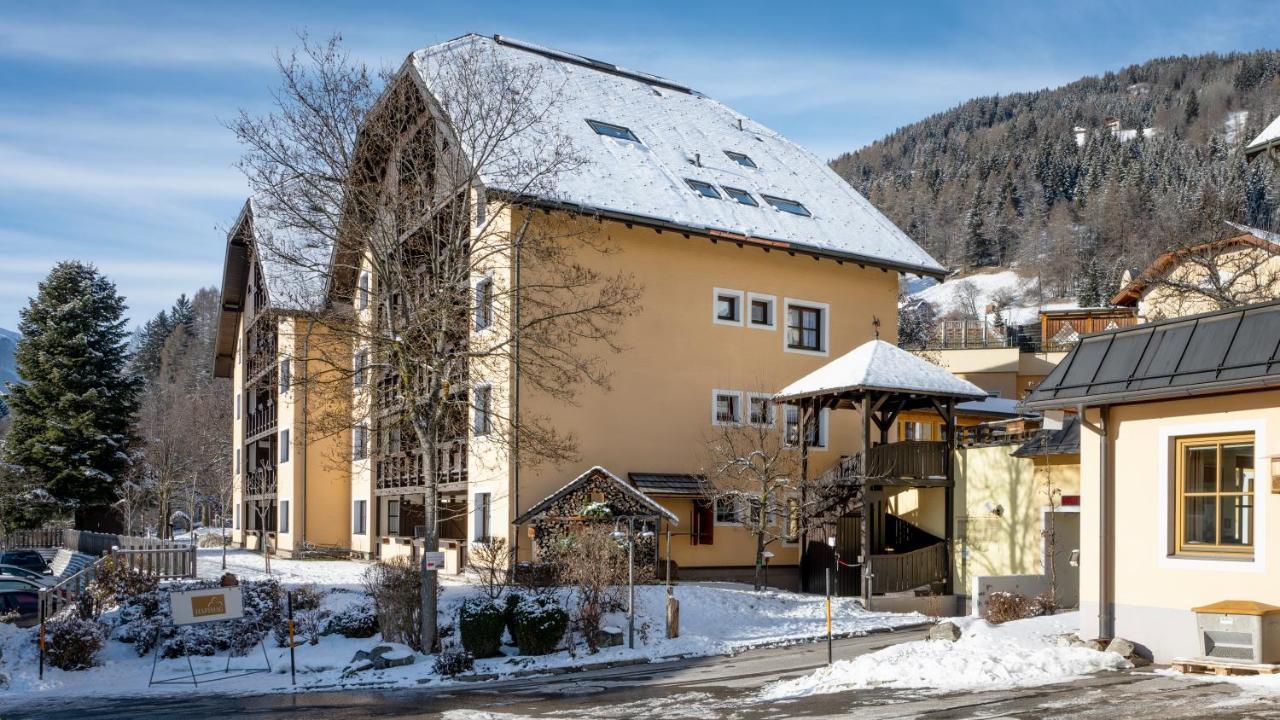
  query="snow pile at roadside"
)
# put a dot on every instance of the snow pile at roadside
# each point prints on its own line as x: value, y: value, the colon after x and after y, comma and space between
x: 1019, y: 653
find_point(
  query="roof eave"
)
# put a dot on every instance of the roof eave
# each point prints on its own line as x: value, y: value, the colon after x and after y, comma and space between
x: 1219, y: 387
x: 718, y: 234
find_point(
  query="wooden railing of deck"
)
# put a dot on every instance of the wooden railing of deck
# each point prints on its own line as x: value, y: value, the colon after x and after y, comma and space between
x: 903, y: 571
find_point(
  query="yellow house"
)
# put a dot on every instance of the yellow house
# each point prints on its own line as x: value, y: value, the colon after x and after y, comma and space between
x: 757, y: 265
x: 1243, y: 268
x: 289, y: 487
x: 1179, y: 420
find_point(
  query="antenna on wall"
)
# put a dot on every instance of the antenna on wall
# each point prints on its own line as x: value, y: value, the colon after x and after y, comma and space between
x: 875, y: 321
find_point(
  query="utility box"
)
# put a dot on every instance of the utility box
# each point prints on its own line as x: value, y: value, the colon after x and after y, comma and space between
x: 1239, y: 630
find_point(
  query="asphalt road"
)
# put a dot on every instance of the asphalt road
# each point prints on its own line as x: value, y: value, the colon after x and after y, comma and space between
x: 707, y: 689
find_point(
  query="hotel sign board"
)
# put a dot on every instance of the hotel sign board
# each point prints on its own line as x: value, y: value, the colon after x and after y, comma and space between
x: 190, y: 607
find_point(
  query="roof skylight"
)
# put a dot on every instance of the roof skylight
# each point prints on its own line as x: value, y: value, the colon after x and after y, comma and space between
x: 741, y: 159
x: 704, y: 189
x: 741, y: 196
x: 613, y: 131
x: 788, y: 206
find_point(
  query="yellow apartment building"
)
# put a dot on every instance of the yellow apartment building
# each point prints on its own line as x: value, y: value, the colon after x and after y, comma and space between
x: 757, y: 264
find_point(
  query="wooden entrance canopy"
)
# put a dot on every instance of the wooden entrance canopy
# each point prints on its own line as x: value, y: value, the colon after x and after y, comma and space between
x: 881, y: 381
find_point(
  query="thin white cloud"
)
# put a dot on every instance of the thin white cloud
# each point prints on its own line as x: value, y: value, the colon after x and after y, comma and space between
x: 139, y: 45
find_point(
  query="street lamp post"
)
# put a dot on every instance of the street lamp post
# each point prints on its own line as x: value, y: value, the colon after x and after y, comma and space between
x: 630, y: 537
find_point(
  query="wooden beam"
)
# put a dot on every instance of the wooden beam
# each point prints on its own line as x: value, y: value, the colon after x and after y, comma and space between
x: 864, y: 529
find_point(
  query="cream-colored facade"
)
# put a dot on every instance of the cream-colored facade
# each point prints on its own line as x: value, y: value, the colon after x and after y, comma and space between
x: 1005, y: 371
x: 1224, y: 273
x: 1153, y: 586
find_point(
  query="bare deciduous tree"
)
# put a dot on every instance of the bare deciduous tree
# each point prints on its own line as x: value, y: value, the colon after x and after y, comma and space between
x: 442, y: 276
x: 755, y: 471
x: 1213, y: 276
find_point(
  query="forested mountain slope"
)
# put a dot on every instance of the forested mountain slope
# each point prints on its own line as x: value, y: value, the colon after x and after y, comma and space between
x: 1012, y: 181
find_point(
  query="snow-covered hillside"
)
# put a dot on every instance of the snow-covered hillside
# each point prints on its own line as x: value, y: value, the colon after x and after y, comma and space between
x: 8, y: 344
x: 1017, y: 297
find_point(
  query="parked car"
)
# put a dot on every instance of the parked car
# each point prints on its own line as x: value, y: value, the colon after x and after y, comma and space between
x: 29, y: 559
x: 15, y: 571
x: 22, y: 606
x: 10, y: 582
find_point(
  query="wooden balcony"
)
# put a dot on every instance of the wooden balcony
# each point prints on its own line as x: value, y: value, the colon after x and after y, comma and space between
x: 260, y: 482
x: 914, y: 463
x: 405, y: 472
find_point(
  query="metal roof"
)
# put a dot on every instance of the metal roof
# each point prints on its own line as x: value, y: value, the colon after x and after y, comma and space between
x: 1215, y: 352
x: 668, y: 483
x: 1062, y: 441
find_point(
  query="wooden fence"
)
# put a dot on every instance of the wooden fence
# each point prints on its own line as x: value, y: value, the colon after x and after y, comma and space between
x: 82, y: 541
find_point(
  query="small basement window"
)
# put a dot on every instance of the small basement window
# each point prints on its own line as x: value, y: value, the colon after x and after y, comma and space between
x: 787, y: 206
x: 741, y: 159
x: 704, y: 189
x: 613, y: 131
x: 741, y: 196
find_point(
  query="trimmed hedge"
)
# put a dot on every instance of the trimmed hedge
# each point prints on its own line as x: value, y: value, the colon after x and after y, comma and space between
x: 481, y: 622
x: 539, y: 624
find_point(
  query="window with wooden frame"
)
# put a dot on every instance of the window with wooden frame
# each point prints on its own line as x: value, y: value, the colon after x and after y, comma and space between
x: 726, y: 407
x: 806, y: 328
x: 1214, y: 488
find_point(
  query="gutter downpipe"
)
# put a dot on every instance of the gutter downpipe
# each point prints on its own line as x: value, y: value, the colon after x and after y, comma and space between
x: 1106, y: 621
x: 306, y: 416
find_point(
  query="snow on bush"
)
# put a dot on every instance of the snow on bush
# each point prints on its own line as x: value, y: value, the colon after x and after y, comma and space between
x: 309, y: 617
x: 1018, y: 653
x: 144, y: 620
x: 539, y: 624
x: 481, y: 622
x: 73, y: 642
x: 359, y: 620
x: 454, y: 662
x: 1003, y: 606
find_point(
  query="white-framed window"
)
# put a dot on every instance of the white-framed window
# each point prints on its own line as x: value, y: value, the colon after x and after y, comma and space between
x: 284, y: 445
x: 237, y: 461
x: 760, y: 409
x: 357, y: 517
x: 484, y: 303
x: 482, y: 410
x: 817, y: 428
x: 362, y: 291
x: 284, y: 516
x: 762, y: 311
x: 807, y: 326
x: 726, y: 306
x: 286, y: 375
x: 726, y: 407
x: 484, y: 515
x: 360, y: 442
x: 393, y: 517
x: 359, y: 367
x: 726, y: 511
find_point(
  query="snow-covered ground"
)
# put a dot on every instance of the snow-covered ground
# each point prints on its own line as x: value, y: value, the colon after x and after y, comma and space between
x: 1018, y: 653
x: 988, y: 287
x: 715, y: 618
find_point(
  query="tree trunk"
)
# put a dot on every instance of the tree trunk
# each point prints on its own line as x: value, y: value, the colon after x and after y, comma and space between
x: 759, y: 554
x: 427, y: 631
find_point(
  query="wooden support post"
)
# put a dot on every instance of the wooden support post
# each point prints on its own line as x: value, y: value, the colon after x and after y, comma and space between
x: 950, y: 494
x: 864, y: 529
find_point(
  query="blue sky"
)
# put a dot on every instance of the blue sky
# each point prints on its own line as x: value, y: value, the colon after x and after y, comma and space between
x: 112, y: 148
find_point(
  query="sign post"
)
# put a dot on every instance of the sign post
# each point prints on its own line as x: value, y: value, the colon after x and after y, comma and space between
x: 293, y: 672
x: 433, y: 560
x: 193, y: 607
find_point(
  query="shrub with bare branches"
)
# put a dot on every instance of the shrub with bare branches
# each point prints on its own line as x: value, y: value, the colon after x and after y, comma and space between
x: 595, y: 565
x: 490, y: 564
x: 394, y: 587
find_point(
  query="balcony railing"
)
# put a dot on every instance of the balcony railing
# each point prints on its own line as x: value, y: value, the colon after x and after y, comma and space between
x: 407, y: 471
x: 260, y: 482
x: 260, y: 422
x: 920, y: 461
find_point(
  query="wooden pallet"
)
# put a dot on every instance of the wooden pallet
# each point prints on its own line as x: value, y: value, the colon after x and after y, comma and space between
x: 1204, y: 666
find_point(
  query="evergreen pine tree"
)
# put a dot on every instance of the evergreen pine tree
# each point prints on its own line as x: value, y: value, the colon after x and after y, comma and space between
x: 1193, y: 107
x: 72, y: 418
x: 150, y: 345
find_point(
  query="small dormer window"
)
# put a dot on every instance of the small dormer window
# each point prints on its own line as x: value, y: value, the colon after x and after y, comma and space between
x: 704, y: 189
x: 613, y: 131
x: 741, y: 159
x: 741, y: 196
x: 787, y: 206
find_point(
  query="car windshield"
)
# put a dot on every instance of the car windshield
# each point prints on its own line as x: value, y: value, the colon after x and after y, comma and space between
x: 16, y: 571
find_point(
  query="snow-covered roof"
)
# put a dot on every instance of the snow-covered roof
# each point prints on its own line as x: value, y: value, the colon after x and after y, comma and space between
x: 682, y: 135
x: 295, y: 264
x: 878, y: 365
x: 1269, y: 135
x: 592, y: 473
